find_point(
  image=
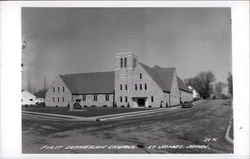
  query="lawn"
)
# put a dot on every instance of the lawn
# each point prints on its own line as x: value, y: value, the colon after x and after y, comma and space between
x: 90, y: 111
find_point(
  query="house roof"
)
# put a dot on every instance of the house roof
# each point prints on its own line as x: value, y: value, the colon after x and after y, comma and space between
x: 89, y: 83
x: 162, y: 76
x: 103, y: 82
x: 182, y: 86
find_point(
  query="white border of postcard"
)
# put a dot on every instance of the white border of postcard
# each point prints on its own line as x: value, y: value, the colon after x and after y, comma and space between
x: 11, y: 75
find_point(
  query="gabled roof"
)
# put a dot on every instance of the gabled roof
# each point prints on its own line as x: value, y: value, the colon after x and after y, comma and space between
x: 90, y: 83
x: 182, y: 85
x: 103, y: 82
x: 162, y: 76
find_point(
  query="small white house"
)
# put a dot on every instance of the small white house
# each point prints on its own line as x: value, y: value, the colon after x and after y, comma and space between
x: 195, y: 93
x: 28, y: 98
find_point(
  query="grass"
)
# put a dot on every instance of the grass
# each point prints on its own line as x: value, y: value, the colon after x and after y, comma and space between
x: 91, y: 111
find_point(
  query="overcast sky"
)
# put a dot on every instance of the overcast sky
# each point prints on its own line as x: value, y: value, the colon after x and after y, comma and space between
x: 76, y: 40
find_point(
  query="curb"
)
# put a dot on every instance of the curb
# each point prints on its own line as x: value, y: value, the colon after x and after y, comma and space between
x: 227, y: 138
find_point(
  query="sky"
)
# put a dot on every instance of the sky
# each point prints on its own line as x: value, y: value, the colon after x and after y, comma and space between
x: 78, y: 40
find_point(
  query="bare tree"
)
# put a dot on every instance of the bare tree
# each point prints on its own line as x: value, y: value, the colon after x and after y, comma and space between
x: 202, y: 83
x: 218, y: 89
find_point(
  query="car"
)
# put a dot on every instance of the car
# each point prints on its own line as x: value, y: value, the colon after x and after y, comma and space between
x: 187, y: 105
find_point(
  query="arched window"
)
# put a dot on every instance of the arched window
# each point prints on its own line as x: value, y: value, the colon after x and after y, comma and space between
x: 121, y: 62
x: 125, y: 62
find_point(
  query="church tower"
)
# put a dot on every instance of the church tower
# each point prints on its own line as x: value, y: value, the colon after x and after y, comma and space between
x: 125, y: 64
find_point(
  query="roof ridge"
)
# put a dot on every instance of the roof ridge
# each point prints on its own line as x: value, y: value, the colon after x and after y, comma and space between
x: 86, y: 73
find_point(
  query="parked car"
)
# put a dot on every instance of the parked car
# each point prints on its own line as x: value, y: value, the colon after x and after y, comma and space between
x: 187, y: 105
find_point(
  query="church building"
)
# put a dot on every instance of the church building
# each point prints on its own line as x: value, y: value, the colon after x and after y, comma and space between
x: 132, y: 84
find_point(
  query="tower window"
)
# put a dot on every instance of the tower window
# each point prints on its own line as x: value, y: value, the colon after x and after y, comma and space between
x: 120, y: 87
x: 121, y: 99
x: 140, y: 86
x: 135, y: 86
x: 125, y: 62
x: 134, y: 62
x: 145, y: 85
x: 140, y: 76
x: 152, y: 98
x: 95, y: 97
x: 126, y: 87
x: 121, y: 62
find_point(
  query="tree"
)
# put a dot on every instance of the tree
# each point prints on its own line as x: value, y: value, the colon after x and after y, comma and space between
x: 230, y: 83
x: 202, y: 83
x: 218, y: 89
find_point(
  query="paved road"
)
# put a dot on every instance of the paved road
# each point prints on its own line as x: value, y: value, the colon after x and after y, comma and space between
x: 178, y: 127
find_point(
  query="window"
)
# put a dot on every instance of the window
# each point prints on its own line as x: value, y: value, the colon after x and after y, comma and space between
x: 107, y: 97
x: 53, y: 99
x: 58, y: 99
x: 63, y: 89
x: 63, y: 99
x: 140, y: 76
x: 121, y: 63
x: 125, y: 62
x: 58, y: 89
x: 134, y: 62
x: 126, y: 99
x: 120, y: 87
x: 152, y: 99
x: 140, y: 86
x: 121, y: 99
x: 95, y: 97
x: 83, y: 97
x: 54, y: 89
x: 31, y: 99
x: 126, y: 87
x: 145, y: 85
x: 135, y: 86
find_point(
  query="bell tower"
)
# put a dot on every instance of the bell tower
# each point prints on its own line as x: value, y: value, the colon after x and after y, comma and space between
x: 125, y: 64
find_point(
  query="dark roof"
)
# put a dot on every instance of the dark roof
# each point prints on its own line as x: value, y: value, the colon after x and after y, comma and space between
x: 162, y: 76
x: 103, y: 82
x: 89, y: 83
x: 182, y: 85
